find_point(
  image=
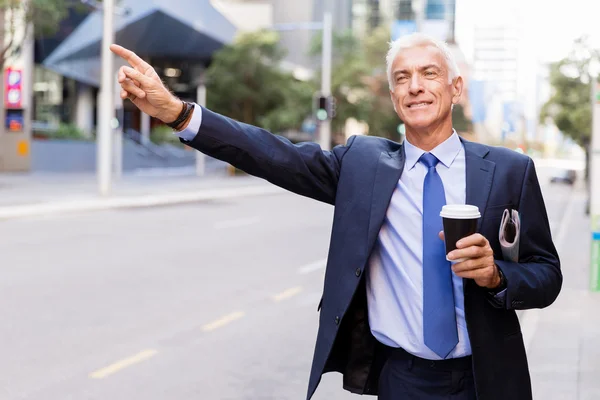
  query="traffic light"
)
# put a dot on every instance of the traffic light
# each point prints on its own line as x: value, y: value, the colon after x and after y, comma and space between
x: 325, y: 107
x: 322, y: 113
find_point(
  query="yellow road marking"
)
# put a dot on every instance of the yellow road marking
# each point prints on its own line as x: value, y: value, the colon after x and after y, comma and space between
x: 286, y: 294
x: 222, y: 321
x: 119, y: 365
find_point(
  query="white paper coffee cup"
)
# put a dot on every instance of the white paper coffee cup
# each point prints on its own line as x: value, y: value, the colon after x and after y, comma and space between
x: 459, y: 220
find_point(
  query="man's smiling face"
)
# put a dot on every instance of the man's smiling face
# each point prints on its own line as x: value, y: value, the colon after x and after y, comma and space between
x: 422, y: 93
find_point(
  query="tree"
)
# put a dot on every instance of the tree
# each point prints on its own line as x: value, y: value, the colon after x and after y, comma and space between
x: 381, y: 117
x: 359, y: 83
x: 460, y: 122
x: 245, y: 82
x: 17, y: 17
x: 570, y: 105
x: 348, y: 83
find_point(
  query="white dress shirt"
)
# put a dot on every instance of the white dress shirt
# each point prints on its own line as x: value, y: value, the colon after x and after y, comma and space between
x: 395, y: 272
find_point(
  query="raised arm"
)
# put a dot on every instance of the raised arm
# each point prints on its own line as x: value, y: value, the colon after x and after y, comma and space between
x: 302, y: 168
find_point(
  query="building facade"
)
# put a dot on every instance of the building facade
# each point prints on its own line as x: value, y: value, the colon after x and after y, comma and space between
x: 435, y: 17
x: 287, y: 18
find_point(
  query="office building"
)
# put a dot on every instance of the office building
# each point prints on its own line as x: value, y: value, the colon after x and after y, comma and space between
x: 286, y: 17
x: 435, y: 17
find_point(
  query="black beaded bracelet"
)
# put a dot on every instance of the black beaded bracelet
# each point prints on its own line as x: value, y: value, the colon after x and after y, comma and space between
x: 185, y: 112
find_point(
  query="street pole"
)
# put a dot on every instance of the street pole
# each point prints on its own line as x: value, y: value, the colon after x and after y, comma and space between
x: 201, y: 101
x: 106, y: 114
x: 27, y: 102
x: 419, y: 10
x: 118, y: 131
x: 326, y: 78
x: 594, y: 190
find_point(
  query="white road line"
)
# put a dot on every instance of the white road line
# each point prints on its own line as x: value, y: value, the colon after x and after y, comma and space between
x: 119, y: 365
x: 315, y: 266
x: 286, y: 294
x: 236, y: 223
x: 223, y: 321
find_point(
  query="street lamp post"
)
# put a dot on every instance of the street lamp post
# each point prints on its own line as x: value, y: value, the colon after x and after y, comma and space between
x: 594, y: 190
x: 201, y: 100
x: 104, y: 133
x: 326, y: 27
x: 326, y: 78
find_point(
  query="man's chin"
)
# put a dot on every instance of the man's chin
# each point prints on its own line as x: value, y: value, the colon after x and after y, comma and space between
x: 418, y: 125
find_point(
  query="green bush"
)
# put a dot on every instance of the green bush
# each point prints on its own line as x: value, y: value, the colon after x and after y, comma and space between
x: 68, y: 131
x: 163, y: 134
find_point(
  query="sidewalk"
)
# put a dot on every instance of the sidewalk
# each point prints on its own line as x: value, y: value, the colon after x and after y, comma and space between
x: 563, y: 340
x: 47, y: 193
x: 30, y: 194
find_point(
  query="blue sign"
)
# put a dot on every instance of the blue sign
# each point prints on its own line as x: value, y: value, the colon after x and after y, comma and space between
x: 14, y: 120
x: 435, y: 9
x: 510, y: 116
x: 477, y: 98
x: 309, y: 126
x: 402, y: 28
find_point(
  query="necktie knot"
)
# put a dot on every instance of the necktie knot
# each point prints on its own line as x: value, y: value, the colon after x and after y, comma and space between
x: 429, y: 160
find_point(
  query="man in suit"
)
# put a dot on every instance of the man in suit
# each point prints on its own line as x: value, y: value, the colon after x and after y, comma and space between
x: 396, y: 318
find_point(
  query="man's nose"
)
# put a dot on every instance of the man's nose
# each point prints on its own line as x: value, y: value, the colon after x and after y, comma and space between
x: 415, y: 85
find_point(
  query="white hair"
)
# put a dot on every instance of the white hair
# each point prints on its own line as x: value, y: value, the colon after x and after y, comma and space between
x: 420, y: 39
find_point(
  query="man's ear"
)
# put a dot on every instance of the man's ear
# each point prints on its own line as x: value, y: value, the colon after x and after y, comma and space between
x: 457, y: 88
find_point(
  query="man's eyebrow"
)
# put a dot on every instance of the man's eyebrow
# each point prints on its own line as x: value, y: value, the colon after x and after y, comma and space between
x: 430, y: 66
x: 400, y: 71
x: 423, y: 68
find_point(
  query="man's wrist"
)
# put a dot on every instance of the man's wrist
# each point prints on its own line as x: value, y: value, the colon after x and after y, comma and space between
x: 185, y: 122
x: 499, y: 282
x: 174, y: 109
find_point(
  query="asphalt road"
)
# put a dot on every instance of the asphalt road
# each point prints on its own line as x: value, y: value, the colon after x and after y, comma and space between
x: 214, y: 300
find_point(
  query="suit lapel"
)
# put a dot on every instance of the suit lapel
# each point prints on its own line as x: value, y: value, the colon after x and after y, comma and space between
x: 389, y: 169
x: 480, y: 173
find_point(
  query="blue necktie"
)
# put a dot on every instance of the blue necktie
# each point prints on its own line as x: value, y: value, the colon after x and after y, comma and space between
x: 439, y: 318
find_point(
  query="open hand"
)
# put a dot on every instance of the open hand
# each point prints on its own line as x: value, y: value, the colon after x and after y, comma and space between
x: 480, y: 265
x: 141, y: 84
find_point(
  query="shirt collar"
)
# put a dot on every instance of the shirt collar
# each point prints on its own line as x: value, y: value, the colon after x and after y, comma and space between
x: 446, y: 151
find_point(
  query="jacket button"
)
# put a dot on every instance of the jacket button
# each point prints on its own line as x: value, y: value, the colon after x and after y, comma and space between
x: 337, y: 320
x: 358, y: 271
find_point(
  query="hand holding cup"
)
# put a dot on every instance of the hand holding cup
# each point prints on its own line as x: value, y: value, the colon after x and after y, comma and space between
x: 470, y: 252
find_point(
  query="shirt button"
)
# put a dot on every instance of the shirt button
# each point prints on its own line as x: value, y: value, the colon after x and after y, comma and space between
x: 357, y: 272
x: 337, y: 320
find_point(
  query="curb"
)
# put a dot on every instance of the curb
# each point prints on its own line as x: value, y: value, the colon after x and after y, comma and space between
x: 152, y: 200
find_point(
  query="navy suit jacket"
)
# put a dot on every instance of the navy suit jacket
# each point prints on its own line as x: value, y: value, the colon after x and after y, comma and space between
x: 358, y: 179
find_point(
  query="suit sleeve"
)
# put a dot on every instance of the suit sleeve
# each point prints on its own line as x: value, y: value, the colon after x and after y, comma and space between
x: 535, y: 281
x: 302, y: 168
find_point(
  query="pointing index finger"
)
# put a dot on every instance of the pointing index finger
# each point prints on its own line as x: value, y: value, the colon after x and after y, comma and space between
x: 133, y: 59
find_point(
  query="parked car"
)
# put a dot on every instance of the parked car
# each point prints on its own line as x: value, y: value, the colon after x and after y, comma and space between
x: 567, y: 176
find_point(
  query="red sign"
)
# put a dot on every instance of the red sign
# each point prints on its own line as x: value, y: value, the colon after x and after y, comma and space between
x: 13, y: 88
